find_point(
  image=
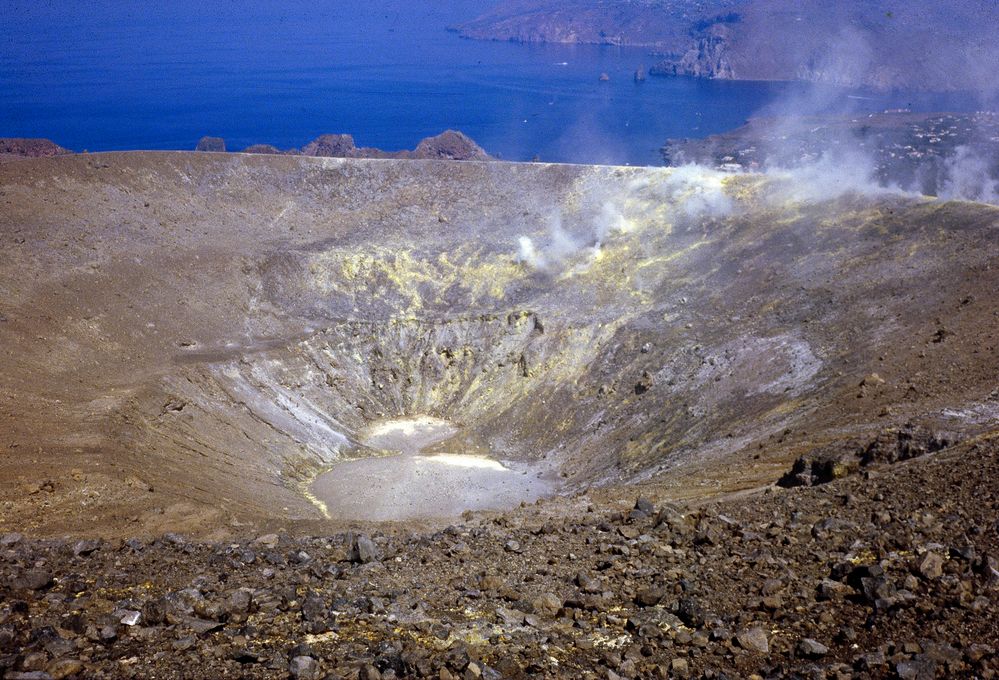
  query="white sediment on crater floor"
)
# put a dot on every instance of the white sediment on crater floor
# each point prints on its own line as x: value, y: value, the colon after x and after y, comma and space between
x: 463, y: 461
x: 413, y: 485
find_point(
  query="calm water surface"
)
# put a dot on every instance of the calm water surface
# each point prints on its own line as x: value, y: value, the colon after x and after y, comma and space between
x: 117, y: 74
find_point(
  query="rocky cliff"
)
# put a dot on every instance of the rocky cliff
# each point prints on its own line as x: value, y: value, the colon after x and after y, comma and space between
x: 884, y: 45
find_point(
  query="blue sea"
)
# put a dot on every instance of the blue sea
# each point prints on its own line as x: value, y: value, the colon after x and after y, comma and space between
x: 123, y: 74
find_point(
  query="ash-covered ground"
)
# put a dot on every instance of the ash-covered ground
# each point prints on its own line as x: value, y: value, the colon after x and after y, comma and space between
x: 764, y: 409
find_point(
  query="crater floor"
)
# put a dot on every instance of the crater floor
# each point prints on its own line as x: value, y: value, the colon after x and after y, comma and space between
x: 417, y: 484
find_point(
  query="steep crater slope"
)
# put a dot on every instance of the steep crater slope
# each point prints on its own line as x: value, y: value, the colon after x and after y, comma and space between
x: 190, y: 340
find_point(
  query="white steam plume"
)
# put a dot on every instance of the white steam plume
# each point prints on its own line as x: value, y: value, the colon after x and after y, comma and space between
x: 967, y: 176
x: 666, y: 197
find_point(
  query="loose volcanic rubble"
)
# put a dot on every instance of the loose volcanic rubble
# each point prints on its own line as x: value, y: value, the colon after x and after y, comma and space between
x: 888, y: 572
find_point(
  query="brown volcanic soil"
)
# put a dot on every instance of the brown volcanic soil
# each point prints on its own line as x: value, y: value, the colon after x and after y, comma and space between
x: 191, y: 338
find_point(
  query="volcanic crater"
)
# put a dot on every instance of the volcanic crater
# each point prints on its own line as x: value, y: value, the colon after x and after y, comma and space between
x: 199, y: 338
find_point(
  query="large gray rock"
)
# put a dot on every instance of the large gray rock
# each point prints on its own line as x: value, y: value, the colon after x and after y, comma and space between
x: 754, y: 640
x: 363, y: 550
x: 304, y: 668
x: 33, y: 579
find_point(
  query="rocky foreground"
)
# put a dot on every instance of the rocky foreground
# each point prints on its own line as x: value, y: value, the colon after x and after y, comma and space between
x: 888, y: 570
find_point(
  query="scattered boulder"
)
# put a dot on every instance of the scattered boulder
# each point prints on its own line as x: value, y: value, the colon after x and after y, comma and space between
x: 268, y: 540
x: 691, y: 612
x: 930, y: 566
x: 238, y: 602
x: 819, y: 467
x: 363, y: 550
x: 754, y: 640
x: 645, y: 506
x: 547, y: 604
x: 919, y: 668
x: 588, y: 584
x: 649, y: 597
x: 86, y: 547
x: 811, y: 649
x: 304, y: 668
x: 32, y: 579
x: 909, y: 441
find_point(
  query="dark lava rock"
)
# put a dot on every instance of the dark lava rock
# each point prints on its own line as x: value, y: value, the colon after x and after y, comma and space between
x: 238, y: 601
x: 919, y: 668
x: 812, y: 649
x: 691, y: 612
x: 154, y: 612
x: 206, y: 143
x: 644, y: 384
x: 909, y: 441
x: 649, y: 597
x: 819, y: 468
x: 33, y: 579
x: 314, y: 608
x: 201, y: 626
x: 644, y: 505
x: 588, y: 584
x: 363, y: 550
x: 85, y: 547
